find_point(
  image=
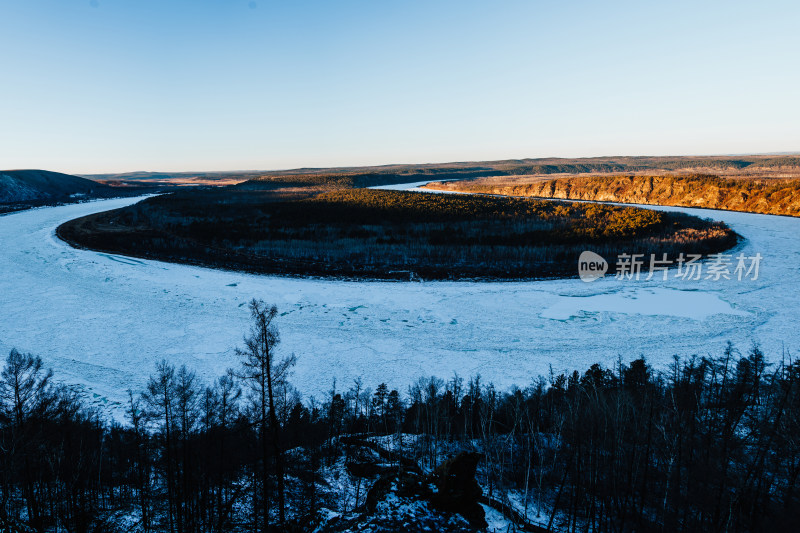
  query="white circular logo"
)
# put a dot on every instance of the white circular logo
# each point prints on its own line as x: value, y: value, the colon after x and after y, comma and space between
x: 591, y: 266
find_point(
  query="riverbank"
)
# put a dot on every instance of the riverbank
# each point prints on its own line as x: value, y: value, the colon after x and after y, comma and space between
x: 751, y: 195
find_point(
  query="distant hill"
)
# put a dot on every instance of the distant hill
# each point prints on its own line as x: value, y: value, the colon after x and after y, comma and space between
x: 31, y: 186
x: 160, y: 179
x: 756, y: 166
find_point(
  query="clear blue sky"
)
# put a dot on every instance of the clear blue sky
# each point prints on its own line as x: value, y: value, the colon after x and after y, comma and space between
x: 120, y: 85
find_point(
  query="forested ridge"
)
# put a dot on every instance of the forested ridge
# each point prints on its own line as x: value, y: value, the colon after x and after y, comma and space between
x: 709, y: 443
x: 348, y: 177
x: 767, y: 196
x: 29, y: 191
x: 25, y: 189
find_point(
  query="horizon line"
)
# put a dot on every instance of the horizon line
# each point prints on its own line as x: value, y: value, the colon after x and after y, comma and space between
x: 448, y: 162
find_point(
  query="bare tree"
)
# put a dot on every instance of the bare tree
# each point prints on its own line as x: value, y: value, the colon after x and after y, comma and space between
x: 186, y: 414
x: 265, y: 374
x: 25, y: 393
x: 136, y: 418
x: 160, y: 399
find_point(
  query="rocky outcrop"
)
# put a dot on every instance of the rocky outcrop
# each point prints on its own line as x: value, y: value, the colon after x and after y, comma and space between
x: 450, y: 489
x: 403, y: 498
x: 774, y: 197
x: 457, y: 490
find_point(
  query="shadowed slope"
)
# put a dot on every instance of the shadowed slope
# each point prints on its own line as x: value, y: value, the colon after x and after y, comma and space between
x: 38, y: 185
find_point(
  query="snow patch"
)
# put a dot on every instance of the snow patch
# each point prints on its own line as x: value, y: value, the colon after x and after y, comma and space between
x: 643, y: 301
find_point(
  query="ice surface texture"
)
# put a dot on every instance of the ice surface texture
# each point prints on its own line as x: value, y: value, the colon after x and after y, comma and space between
x: 103, y: 321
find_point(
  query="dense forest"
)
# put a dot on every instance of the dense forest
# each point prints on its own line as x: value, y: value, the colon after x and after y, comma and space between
x: 388, y: 234
x: 709, y: 443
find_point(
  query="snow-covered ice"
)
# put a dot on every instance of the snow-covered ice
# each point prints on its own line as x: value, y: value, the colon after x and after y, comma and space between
x: 103, y: 320
x: 655, y: 301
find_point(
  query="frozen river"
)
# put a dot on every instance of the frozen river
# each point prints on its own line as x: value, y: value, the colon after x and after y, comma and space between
x: 103, y: 320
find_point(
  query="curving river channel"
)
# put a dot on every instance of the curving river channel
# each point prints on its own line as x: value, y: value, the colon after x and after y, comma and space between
x: 102, y: 321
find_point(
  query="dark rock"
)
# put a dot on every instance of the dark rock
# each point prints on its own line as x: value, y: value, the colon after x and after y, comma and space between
x: 458, y: 490
x: 368, y: 470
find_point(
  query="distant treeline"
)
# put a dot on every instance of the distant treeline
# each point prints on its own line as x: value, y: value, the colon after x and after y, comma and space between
x: 391, y: 174
x: 30, y: 188
x: 355, y: 179
x: 706, y: 444
x: 389, y: 234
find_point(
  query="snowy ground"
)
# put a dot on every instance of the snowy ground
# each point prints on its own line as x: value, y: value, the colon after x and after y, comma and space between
x: 104, y: 320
